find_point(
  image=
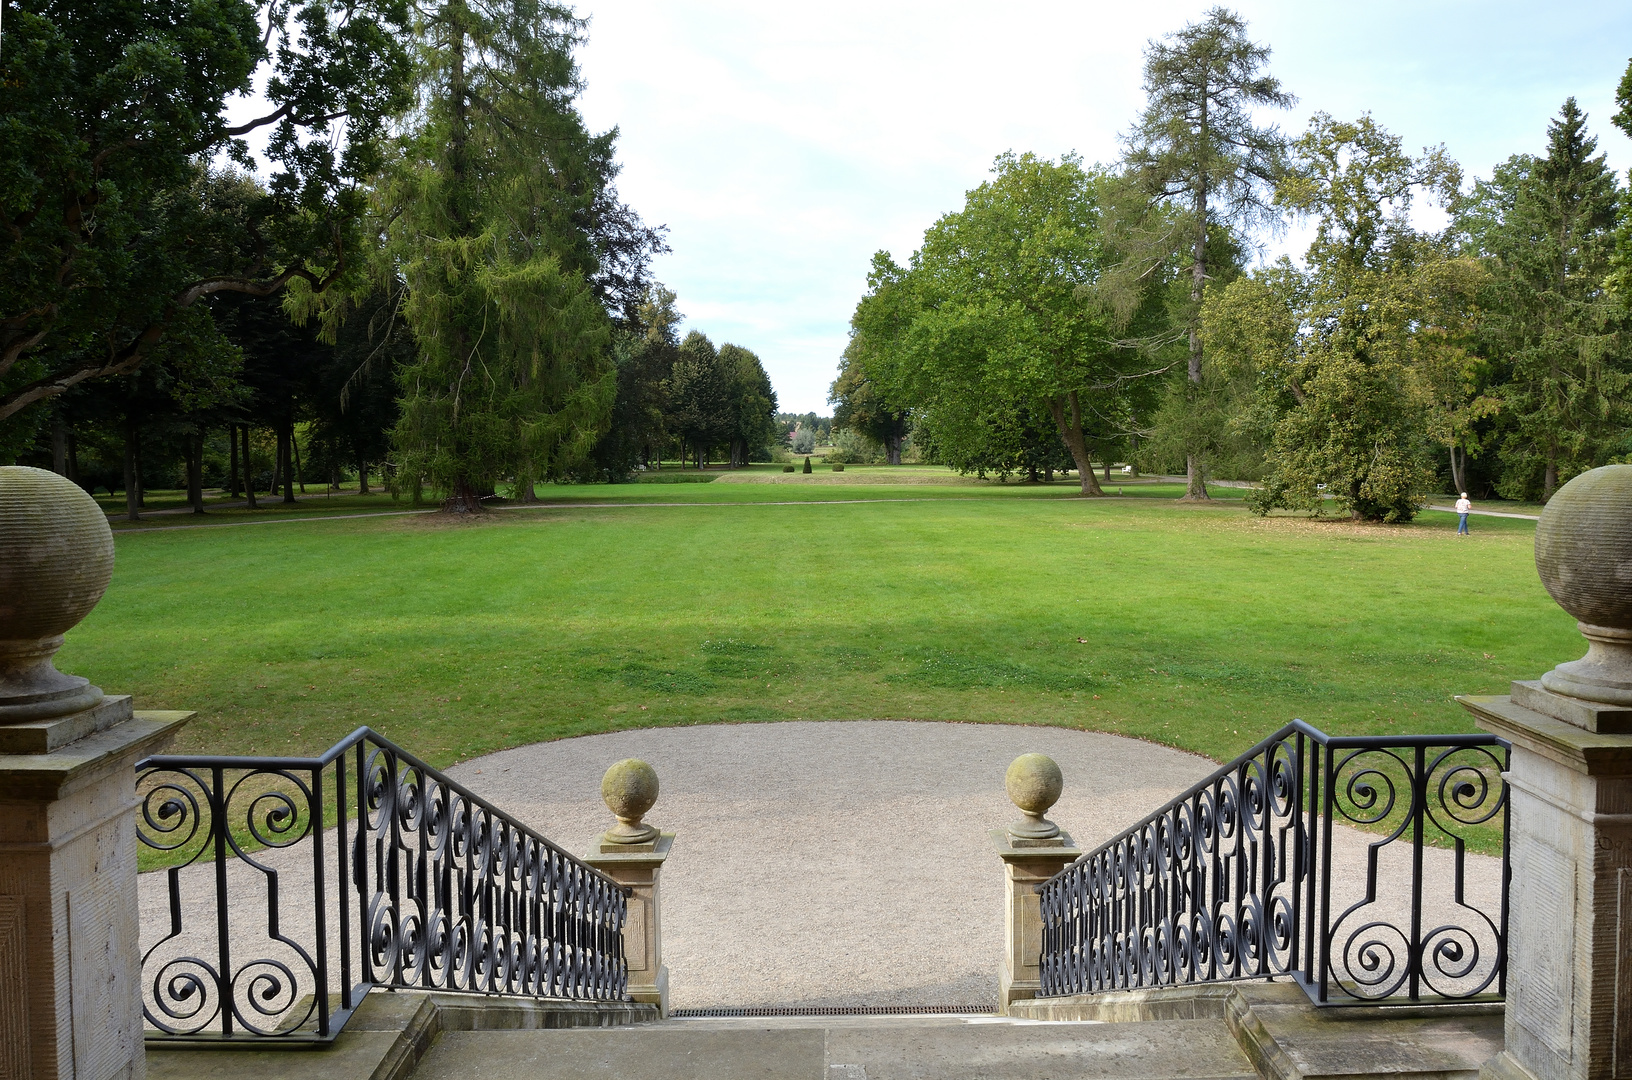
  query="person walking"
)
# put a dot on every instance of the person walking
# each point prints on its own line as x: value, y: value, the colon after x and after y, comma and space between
x: 1462, y: 508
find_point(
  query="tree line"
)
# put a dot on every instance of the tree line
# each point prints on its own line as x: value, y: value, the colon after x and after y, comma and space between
x: 1072, y: 314
x: 432, y: 283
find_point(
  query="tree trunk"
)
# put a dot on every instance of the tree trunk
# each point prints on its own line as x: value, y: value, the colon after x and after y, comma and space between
x: 1457, y: 470
x: 59, y: 446
x: 463, y: 499
x: 362, y: 475
x: 526, y: 493
x: 195, y: 470
x: 1195, y: 480
x: 286, y: 442
x: 1071, y: 433
x: 133, y: 499
x: 892, y: 449
x: 294, y: 451
x: 249, y: 471
x: 232, y: 461
x: 1549, y: 480
x: 1107, y: 470
x: 73, y: 457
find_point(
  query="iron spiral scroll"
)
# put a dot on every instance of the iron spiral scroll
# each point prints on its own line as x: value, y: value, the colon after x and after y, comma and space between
x: 1234, y: 879
x: 293, y: 886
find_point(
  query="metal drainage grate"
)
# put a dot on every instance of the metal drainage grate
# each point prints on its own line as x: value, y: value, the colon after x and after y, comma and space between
x: 842, y: 1010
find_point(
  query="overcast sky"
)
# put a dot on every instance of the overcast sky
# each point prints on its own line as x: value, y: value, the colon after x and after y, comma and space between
x: 782, y: 146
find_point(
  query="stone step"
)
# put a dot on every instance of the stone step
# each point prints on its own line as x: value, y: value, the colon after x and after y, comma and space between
x: 846, y: 1048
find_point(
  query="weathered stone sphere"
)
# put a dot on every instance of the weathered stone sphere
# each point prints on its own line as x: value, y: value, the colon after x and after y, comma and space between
x: 1034, y: 783
x: 1584, y: 547
x: 630, y: 789
x: 56, y: 554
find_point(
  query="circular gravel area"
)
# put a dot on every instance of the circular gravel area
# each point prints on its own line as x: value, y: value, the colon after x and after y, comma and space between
x: 833, y: 863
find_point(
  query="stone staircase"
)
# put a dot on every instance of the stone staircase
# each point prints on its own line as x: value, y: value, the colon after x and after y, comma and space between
x: 1241, y: 1031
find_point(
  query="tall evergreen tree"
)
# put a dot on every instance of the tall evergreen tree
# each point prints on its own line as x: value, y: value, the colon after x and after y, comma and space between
x: 752, y: 403
x: 1197, y: 148
x: 1547, y: 226
x: 699, y: 396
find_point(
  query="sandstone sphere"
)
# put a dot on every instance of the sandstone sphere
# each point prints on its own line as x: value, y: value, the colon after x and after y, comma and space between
x: 56, y: 554
x: 1034, y: 783
x: 1584, y: 547
x: 630, y: 789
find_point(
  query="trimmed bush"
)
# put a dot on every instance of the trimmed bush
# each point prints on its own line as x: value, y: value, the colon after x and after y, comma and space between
x: 838, y: 466
x: 787, y: 468
x: 807, y: 465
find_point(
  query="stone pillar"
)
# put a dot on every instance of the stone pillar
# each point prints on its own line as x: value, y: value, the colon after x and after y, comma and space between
x: 1569, y: 967
x: 632, y: 854
x: 70, y: 965
x: 1033, y: 850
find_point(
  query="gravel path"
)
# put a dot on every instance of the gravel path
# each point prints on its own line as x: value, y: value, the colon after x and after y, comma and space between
x: 839, y: 863
x: 832, y: 863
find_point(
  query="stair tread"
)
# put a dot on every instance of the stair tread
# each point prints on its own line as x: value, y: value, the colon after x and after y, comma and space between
x: 877, y: 1048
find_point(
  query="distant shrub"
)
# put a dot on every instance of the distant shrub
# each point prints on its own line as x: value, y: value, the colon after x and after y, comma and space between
x: 788, y: 468
x: 854, y: 448
x: 838, y: 466
x: 807, y: 465
x: 674, y: 477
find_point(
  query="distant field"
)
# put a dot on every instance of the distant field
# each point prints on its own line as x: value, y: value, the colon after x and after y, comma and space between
x: 1198, y: 626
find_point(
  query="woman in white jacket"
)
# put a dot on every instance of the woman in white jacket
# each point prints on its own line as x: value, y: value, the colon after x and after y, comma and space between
x: 1462, y: 508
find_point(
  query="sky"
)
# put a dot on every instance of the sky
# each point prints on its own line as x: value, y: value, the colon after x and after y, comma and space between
x: 783, y: 145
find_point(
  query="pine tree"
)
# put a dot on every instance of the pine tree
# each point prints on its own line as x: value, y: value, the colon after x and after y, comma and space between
x: 1546, y: 226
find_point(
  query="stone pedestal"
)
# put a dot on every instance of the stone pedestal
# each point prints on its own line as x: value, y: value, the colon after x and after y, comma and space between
x: 1026, y: 864
x: 70, y: 965
x: 1569, y: 981
x: 639, y: 866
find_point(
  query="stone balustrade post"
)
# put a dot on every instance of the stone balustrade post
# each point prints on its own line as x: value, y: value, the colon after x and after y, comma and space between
x: 70, y: 962
x: 1569, y: 957
x: 1033, y: 850
x: 632, y: 853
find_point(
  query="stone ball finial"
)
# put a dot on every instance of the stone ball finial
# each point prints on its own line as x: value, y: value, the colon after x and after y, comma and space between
x: 1584, y: 558
x: 56, y: 558
x: 630, y: 789
x: 1034, y: 783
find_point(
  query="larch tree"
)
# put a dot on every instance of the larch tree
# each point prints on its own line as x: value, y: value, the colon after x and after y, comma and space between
x: 1197, y: 148
x: 487, y: 212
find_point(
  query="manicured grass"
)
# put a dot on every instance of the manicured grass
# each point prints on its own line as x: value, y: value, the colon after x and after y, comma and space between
x: 1201, y: 626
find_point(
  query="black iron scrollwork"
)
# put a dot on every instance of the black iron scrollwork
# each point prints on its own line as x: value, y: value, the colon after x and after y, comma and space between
x: 293, y: 886
x: 1234, y: 878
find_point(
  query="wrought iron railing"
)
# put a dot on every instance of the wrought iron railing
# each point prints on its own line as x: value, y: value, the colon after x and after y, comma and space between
x: 1339, y: 862
x: 295, y: 885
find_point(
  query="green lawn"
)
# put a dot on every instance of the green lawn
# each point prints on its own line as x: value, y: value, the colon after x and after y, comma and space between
x: 1202, y: 627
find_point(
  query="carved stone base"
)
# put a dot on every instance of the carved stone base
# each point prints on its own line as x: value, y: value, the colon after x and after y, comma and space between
x: 1569, y: 984
x: 1024, y: 868
x: 643, y: 933
x: 70, y: 966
